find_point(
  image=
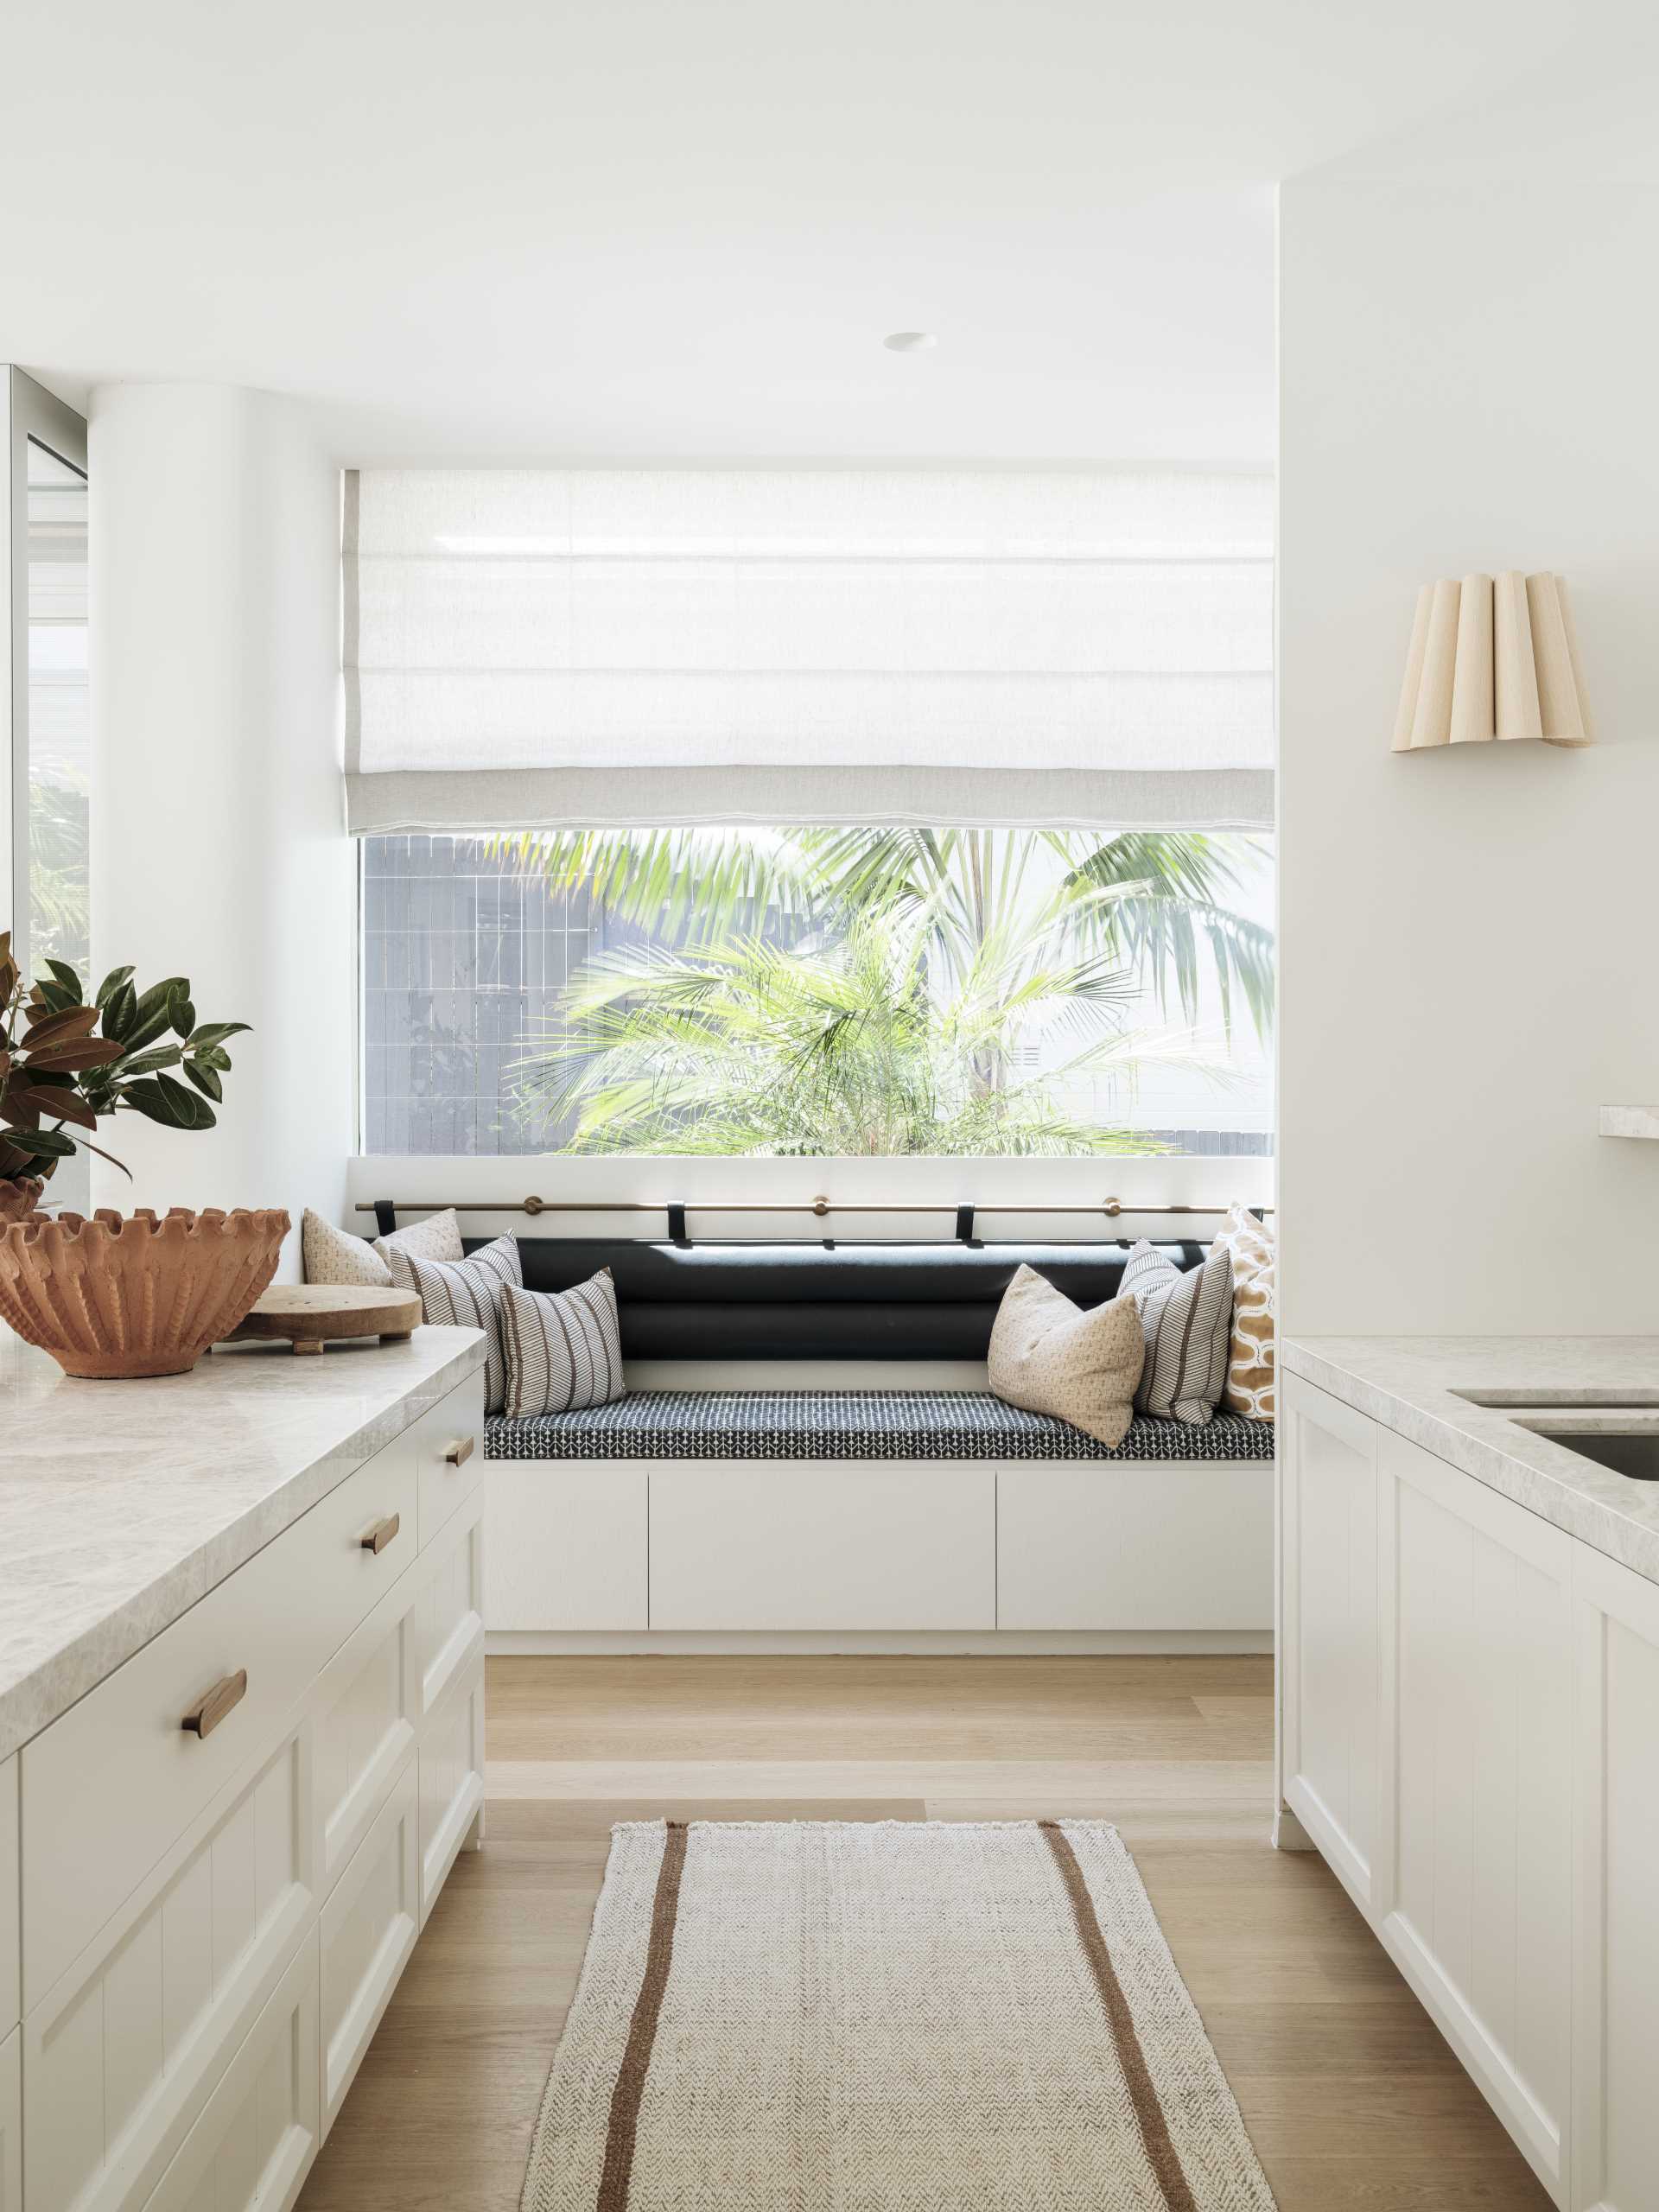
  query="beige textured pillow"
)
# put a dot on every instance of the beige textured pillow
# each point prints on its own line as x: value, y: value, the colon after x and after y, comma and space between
x: 1251, y: 1365
x: 438, y: 1237
x: 1052, y: 1356
x: 333, y: 1256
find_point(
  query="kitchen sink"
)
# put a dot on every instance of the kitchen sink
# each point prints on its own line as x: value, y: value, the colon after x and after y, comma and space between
x: 1632, y: 1450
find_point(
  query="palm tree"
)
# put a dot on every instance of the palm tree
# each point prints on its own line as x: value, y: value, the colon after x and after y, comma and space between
x: 1168, y: 906
x: 850, y: 1046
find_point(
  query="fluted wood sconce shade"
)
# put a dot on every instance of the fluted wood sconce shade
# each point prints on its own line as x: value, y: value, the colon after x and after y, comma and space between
x: 1493, y: 659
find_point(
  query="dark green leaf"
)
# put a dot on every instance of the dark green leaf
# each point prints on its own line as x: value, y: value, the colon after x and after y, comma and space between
x: 183, y: 1017
x: 44, y: 1144
x: 54, y: 998
x: 168, y: 1103
x: 110, y: 984
x: 64, y: 974
x: 215, y: 1033
x: 205, y: 1077
x: 212, y: 1056
x: 159, y: 1056
x: 120, y: 1010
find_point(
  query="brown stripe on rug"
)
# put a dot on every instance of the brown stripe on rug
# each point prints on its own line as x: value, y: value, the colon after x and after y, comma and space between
x: 941, y: 2015
x: 1154, y: 2128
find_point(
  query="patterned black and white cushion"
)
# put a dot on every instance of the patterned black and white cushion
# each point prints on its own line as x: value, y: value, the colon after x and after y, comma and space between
x: 564, y: 1351
x: 468, y: 1292
x: 1187, y: 1319
x: 850, y: 1425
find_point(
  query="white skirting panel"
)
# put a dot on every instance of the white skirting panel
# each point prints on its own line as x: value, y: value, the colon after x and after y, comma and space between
x: 986, y: 1644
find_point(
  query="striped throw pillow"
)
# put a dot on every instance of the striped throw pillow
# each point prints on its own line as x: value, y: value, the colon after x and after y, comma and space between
x: 564, y: 1349
x: 468, y: 1293
x: 1187, y: 1321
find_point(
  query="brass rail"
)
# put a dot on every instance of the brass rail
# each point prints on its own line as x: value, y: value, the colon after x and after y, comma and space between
x: 818, y: 1207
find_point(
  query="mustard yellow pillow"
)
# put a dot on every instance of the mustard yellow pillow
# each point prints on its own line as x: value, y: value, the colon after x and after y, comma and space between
x: 1050, y: 1355
x: 1251, y: 1365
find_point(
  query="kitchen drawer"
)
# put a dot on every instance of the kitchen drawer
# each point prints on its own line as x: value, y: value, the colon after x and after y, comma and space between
x: 367, y: 1708
x: 280, y: 1618
x: 11, y: 2122
x: 253, y: 2145
x: 121, y: 2057
x: 448, y: 1612
x: 452, y: 1779
x: 369, y: 1927
x: 446, y: 1449
x: 11, y: 1970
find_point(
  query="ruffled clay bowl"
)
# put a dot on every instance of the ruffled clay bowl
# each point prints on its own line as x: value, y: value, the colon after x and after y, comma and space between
x: 135, y: 1295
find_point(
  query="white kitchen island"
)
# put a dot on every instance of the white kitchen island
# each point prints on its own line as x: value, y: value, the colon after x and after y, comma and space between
x: 241, y: 1722
x: 1469, y: 1716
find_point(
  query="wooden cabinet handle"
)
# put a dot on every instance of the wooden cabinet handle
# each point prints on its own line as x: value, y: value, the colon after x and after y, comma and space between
x: 206, y: 1715
x: 381, y: 1535
x: 459, y: 1453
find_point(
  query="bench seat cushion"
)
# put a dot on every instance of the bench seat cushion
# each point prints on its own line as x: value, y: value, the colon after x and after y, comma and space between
x: 850, y: 1425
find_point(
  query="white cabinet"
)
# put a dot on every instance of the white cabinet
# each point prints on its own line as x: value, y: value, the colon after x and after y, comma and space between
x: 1615, y: 1900
x: 214, y: 1918
x: 1470, y: 1734
x: 1328, y: 1639
x: 1472, y: 1878
x: 568, y: 1544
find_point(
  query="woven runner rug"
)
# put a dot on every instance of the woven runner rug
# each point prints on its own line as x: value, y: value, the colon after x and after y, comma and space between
x: 891, y: 2015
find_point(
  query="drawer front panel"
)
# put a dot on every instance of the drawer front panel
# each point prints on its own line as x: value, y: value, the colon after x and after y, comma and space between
x: 280, y: 1618
x: 123, y: 2054
x: 449, y: 1611
x: 253, y: 2145
x: 1091, y: 1547
x: 446, y: 1471
x: 369, y: 1927
x: 451, y: 1780
x: 568, y: 1544
x: 776, y: 1544
x: 366, y: 1713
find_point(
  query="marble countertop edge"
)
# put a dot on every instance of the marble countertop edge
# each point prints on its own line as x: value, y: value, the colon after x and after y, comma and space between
x: 73, y: 1607
x: 1412, y: 1384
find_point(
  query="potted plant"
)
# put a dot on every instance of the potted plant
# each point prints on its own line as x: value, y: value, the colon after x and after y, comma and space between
x: 109, y: 1296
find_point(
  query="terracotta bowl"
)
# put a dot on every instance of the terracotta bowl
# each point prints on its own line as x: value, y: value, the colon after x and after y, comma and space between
x: 18, y: 1200
x: 135, y: 1295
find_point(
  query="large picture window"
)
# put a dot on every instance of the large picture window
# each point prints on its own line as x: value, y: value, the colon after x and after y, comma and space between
x: 798, y: 991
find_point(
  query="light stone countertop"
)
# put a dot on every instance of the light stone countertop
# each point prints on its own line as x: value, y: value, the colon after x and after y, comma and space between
x: 122, y: 1503
x: 1410, y: 1385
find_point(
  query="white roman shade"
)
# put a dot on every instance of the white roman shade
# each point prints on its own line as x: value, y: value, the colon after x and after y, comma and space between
x: 631, y: 646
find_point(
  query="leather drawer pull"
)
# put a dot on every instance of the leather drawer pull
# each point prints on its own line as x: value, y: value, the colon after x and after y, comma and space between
x: 460, y: 1453
x: 203, y: 1717
x: 382, y: 1534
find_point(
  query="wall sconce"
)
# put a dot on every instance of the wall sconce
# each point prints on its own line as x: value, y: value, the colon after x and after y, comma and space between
x: 1493, y: 659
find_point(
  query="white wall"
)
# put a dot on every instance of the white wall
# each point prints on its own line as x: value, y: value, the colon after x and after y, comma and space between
x: 219, y: 848
x: 1470, y: 939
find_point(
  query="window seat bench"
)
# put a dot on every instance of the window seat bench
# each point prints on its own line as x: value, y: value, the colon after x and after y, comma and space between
x: 850, y: 1425
x: 843, y: 1517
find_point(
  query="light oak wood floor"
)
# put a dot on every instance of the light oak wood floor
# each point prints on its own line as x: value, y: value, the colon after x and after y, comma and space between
x: 1354, y: 2102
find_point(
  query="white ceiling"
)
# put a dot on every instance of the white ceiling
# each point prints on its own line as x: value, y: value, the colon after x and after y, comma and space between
x: 643, y: 230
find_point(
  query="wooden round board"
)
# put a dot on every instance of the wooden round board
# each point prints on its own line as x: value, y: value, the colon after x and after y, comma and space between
x: 309, y: 1314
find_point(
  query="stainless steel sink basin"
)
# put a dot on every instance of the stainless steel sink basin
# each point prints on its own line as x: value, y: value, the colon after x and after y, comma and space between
x: 1624, y: 1446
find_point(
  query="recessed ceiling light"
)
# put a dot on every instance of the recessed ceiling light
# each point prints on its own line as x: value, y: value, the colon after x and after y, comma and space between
x: 909, y: 341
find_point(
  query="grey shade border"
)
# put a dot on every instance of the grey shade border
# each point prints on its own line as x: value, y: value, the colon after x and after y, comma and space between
x: 445, y: 803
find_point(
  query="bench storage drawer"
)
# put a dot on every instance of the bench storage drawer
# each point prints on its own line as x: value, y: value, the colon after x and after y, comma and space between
x: 799, y: 1544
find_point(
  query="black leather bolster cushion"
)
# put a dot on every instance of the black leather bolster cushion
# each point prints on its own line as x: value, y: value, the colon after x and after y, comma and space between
x: 810, y: 1301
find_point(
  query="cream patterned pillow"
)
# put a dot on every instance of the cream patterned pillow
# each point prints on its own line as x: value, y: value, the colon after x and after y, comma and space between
x: 469, y: 1293
x: 1251, y: 1363
x: 1052, y: 1356
x: 438, y: 1237
x: 333, y: 1256
x: 564, y: 1349
x: 1187, y: 1319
